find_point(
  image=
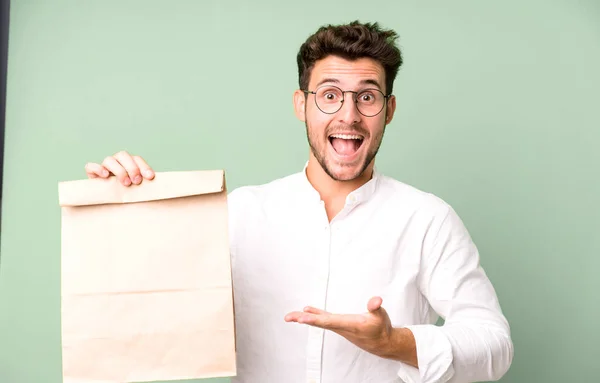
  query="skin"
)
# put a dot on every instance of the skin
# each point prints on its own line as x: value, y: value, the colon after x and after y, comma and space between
x: 334, y: 177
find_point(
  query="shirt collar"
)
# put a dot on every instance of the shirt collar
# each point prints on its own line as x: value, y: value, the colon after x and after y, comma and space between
x: 362, y: 194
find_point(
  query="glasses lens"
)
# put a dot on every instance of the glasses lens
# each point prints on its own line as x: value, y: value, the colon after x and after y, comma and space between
x: 370, y: 102
x: 329, y: 99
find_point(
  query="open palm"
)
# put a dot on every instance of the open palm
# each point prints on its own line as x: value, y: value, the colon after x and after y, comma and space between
x: 370, y: 331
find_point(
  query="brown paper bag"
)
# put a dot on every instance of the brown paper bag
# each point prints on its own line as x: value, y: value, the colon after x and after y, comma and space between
x: 146, y: 279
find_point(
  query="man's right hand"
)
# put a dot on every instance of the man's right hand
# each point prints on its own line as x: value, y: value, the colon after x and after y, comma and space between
x: 127, y: 168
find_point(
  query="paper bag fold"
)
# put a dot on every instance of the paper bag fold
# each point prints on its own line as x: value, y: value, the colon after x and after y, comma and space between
x: 146, y: 279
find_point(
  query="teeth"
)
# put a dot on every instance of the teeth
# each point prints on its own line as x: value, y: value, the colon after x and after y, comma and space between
x: 346, y: 136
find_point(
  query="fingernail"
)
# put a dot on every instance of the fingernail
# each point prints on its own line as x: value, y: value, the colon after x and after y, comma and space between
x: 148, y: 173
x: 104, y: 173
x: 127, y: 181
x: 137, y: 179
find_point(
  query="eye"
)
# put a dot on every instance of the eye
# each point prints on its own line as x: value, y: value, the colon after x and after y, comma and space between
x: 329, y: 95
x: 366, y: 97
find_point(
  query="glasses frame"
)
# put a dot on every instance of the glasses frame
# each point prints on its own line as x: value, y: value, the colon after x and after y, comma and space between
x: 355, y: 97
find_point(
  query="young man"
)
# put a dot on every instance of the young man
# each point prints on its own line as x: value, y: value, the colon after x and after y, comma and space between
x: 340, y: 272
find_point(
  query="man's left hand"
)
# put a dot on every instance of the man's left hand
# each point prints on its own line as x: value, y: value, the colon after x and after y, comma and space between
x: 372, y: 331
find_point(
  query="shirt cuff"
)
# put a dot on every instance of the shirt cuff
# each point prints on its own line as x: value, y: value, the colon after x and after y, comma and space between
x: 434, y: 354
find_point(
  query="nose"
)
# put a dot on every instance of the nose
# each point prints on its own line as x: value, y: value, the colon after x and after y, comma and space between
x: 348, y: 114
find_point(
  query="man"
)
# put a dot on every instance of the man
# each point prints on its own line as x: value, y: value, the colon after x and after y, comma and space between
x: 340, y: 272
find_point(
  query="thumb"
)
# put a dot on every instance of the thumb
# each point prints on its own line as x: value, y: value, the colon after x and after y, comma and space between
x: 374, y: 304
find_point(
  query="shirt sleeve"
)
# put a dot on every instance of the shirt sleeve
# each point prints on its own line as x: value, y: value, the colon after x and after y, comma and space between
x: 474, y: 343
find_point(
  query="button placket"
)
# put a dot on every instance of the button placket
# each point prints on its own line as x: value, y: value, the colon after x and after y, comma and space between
x: 319, y: 298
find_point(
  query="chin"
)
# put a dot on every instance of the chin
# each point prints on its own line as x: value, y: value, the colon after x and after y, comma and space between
x: 344, y: 172
x: 343, y: 165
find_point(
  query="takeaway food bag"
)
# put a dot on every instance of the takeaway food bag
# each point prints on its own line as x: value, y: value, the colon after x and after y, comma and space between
x: 146, y: 282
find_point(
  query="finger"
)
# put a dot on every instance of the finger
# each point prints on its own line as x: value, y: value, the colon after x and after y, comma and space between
x: 314, y: 310
x: 334, y: 322
x: 117, y: 169
x: 301, y: 317
x: 304, y: 318
x: 145, y: 169
x: 96, y: 170
x: 293, y: 316
x: 132, y: 169
x: 374, y: 304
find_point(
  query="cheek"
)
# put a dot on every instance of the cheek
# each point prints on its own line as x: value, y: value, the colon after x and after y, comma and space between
x: 318, y: 122
x: 376, y: 126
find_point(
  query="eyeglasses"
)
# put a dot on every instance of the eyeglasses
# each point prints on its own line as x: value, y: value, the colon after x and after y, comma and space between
x: 329, y: 99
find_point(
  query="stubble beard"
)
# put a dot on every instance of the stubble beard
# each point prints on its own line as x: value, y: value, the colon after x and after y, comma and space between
x: 321, y: 157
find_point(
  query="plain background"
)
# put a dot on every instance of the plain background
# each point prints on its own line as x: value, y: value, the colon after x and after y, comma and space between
x: 4, y: 13
x: 498, y: 114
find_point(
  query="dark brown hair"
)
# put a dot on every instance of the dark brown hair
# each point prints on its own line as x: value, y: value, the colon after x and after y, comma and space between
x: 351, y: 41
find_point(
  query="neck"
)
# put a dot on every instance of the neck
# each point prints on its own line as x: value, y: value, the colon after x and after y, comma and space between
x: 327, y: 187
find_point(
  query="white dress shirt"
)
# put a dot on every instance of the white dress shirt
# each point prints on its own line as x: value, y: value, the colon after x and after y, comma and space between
x: 390, y: 240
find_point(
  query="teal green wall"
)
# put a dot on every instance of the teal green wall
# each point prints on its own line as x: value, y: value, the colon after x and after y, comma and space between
x: 498, y: 113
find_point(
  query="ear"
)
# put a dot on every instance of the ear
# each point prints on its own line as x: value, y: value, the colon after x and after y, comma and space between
x: 299, y: 104
x: 391, y: 108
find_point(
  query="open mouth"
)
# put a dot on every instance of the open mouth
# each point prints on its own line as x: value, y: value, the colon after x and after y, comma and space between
x: 346, y: 144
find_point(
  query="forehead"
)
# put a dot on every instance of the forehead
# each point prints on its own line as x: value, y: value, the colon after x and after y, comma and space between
x: 348, y: 73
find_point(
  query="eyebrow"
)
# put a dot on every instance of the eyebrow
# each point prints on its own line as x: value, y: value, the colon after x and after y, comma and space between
x: 325, y: 80
x: 371, y: 82
x: 336, y: 81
